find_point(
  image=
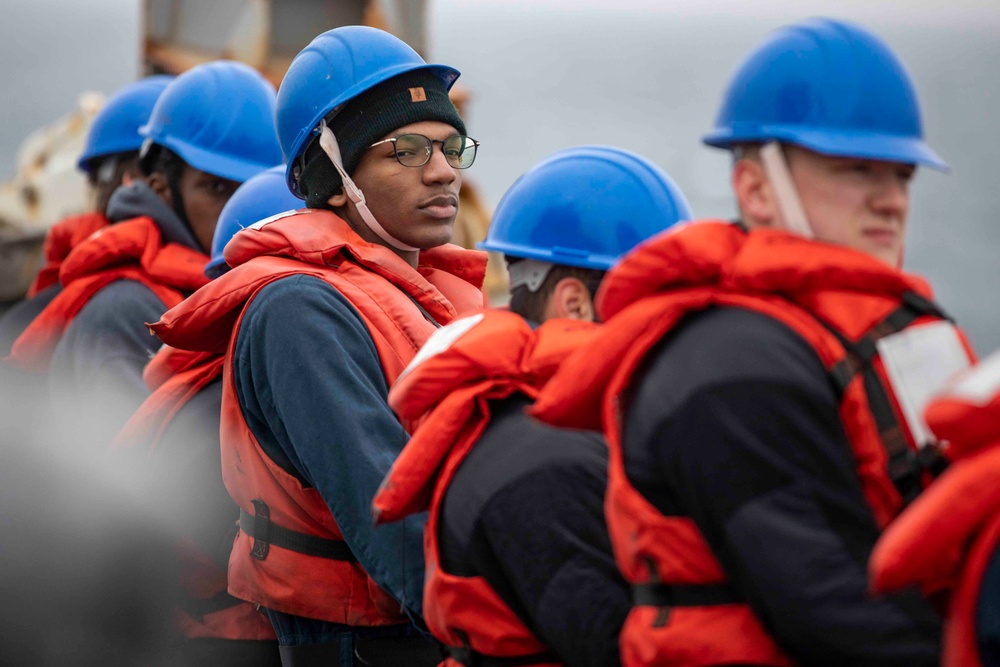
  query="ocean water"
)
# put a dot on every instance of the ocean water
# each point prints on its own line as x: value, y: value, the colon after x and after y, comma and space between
x: 642, y: 75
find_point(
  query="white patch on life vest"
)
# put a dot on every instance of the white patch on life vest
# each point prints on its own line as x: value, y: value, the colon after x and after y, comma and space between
x: 919, y: 361
x: 441, y: 340
x: 981, y: 383
x: 266, y: 221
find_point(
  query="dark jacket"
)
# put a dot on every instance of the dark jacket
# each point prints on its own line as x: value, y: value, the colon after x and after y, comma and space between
x: 525, y: 511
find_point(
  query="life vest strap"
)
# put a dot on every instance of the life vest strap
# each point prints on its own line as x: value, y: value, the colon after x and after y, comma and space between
x: 265, y: 534
x: 686, y: 595
x: 905, y: 466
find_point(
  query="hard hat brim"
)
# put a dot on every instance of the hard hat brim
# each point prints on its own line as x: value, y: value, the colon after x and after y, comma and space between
x: 559, y: 256
x: 86, y: 160
x: 864, y: 145
x: 233, y: 169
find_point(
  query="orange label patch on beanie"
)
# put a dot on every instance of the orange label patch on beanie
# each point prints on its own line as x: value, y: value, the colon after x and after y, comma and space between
x: 418, y: 94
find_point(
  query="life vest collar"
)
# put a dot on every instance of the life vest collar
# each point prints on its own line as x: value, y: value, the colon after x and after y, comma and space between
x: 168, y: 362
x: 321, y: 237
x: 718, y: 253
x: 59, y: 241
x: 130, y: 242
x: 314, y: 238
x: 498, y: 356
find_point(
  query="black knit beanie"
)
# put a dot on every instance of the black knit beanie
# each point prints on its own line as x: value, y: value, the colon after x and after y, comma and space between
x: 411, y: 97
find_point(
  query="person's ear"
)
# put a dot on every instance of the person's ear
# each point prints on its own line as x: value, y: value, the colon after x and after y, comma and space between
x: 571, y: 299
x: 157, y: 182
x: 338, y: 200
x: 754, y: 195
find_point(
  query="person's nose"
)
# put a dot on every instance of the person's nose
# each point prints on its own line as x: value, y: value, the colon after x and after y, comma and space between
x: 892, y: 194
x: 437, y: 169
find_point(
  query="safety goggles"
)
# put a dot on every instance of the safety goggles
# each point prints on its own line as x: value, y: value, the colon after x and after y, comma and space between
x: 414, y: 150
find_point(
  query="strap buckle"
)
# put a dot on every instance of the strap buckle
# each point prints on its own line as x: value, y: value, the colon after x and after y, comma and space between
x: 260, y: 530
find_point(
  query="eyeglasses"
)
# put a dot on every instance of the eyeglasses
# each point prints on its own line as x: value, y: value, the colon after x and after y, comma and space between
x: 414, y: 150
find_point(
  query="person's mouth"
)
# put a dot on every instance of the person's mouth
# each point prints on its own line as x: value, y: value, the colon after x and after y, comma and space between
x: 441, y: 207
x: 882, y: 235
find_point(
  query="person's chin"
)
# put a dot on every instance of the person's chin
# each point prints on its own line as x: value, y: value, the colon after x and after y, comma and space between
x: 890, y: 256
x: 432, y: 235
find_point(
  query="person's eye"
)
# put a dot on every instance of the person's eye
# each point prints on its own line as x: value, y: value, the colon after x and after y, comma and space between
x: 220, y: 187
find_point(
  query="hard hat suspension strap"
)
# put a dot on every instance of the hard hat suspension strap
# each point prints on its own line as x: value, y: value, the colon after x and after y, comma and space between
x: 328, y: 143
x: 776, y: 167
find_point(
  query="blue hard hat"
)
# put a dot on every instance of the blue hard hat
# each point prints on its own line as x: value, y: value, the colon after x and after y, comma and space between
x: 219, y: 118
x: 336, y: 67
x: 116, y: 127
x: 585, y: 207
x: 829, y: 86
x: 260, y: 197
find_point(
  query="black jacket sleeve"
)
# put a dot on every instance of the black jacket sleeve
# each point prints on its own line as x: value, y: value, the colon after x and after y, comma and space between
x: 736, y: 425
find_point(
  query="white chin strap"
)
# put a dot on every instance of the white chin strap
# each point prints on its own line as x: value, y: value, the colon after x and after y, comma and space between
x: 776, y: 168
x: 328, y: 143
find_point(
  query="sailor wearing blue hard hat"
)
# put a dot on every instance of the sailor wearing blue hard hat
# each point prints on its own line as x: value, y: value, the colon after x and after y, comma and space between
x: 576, y: 213
x: 829, y: 119
x: 517, y: 502
x: 211, y: 128
x: 113, y: 142
x: 756, y: 379
x: 110, y: 157
x: 321, y: 310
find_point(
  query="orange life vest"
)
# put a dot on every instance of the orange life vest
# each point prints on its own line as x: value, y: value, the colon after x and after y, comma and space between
x: 174, y: 377
x: 129, y: 250
x: 498, y: 356
x: 61, y: 238
x: 946, y: 538
x: 840, y: 302
x: 294, y: 559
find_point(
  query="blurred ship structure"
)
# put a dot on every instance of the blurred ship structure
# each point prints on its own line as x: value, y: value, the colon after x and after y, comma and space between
x: 177, y: 35
x: 47, y: 187
x: 265, y: 34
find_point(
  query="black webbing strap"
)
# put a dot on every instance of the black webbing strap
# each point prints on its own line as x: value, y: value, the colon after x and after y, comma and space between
x: 265, y: 534
x: 655, y: 593
x: 469, y: 657
x: 904, y: 464
x: 687, y: 595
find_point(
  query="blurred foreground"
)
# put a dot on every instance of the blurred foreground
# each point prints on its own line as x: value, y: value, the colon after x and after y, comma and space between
x: 84, y: 557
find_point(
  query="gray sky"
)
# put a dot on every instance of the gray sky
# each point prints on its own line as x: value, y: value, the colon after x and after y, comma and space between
x: 642, y: 75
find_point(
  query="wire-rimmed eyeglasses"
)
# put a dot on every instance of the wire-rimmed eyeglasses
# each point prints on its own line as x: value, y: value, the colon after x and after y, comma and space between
x: 414, y: 150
